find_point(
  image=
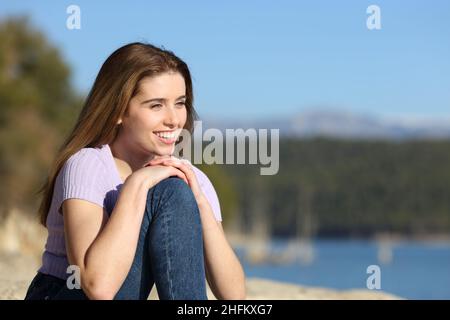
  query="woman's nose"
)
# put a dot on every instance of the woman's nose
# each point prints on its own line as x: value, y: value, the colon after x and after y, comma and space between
x: 171, y: 117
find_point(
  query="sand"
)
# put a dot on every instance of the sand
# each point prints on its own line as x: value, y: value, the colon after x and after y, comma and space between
x: 16, y: 272
x: 21, y: 243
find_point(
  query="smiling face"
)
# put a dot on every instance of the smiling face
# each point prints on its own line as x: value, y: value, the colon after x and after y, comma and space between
x: 156, y: 114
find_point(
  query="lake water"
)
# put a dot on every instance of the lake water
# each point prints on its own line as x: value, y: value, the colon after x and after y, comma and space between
x: 412, y: 270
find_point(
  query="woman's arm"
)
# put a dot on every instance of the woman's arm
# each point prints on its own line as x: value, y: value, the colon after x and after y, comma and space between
x: 223, y: 270
x: 104, y: 248
x: 101, y: 247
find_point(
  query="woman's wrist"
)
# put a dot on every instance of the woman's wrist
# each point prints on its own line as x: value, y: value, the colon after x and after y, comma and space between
x: 139, y: 179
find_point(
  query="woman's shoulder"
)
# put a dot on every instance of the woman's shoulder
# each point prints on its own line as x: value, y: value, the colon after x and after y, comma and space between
x: 88, y: 156
x: 87, y: 162
x: 83, y: 176
x: 201, y: 176
x: 208, y: 189
x: 203, y: 180
x: 87, y: 153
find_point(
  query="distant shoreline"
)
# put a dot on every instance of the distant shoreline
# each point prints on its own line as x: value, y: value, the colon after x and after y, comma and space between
x: 242, y: 238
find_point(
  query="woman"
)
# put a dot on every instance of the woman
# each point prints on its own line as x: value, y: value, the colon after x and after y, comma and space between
x: 121, y: 211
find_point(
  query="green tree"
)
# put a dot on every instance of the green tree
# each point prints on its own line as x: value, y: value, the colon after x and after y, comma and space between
x: 37, y: 108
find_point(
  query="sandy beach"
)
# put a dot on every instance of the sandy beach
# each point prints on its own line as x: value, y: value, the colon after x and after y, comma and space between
x: 21, y: 242
x: 16, y: 272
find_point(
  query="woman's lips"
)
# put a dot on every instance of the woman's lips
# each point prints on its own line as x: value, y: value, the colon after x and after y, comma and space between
x: 167, y: 137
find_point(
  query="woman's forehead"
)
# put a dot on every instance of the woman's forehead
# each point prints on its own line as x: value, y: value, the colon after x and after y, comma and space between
x: 163, y: 85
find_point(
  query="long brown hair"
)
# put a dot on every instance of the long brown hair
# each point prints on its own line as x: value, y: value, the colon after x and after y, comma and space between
x: 116, y: 83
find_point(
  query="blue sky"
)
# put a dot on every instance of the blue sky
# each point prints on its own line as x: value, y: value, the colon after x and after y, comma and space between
x: 272, y: 58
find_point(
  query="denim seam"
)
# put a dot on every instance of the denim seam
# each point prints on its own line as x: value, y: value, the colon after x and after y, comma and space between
x: 167, y: 249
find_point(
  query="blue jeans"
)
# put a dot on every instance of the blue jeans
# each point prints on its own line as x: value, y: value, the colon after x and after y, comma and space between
x: 169, y: 252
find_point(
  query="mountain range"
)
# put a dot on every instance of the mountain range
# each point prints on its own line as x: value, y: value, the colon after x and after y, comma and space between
x: 344, y: 125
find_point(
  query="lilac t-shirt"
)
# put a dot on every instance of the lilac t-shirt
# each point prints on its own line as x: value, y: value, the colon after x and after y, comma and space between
x: 91, y: 174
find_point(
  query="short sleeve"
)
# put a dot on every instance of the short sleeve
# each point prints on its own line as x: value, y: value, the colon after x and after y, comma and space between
x: 82, y: 177
x: 209, y: 192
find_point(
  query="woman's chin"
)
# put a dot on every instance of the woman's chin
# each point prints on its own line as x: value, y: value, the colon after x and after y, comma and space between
x: 167, y: 151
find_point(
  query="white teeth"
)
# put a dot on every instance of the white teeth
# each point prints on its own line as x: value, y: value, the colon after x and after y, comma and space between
x: 166, y: 135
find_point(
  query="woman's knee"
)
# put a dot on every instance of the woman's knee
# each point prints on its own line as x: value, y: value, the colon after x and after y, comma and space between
x: 178, y: 187
x: 175, y: 194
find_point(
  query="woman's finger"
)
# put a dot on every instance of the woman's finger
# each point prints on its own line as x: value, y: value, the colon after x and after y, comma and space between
x: 179, y: 174
x: 191, y: 178
x: 189, y: 173
x: 157, y: 159
x: 182, y: 166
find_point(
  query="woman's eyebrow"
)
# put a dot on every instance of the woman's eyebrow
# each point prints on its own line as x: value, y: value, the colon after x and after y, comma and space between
x: 161, y: 99
x: 153, y: 100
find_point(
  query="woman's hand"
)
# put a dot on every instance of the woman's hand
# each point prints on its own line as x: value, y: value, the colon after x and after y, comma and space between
x: 152, y: 174
x: 186, y: 168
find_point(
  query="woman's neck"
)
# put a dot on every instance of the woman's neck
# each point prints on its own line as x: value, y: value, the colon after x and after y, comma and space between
x: 128, y: 159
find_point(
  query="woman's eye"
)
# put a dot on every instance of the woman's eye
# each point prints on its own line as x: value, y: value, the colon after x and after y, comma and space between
x: 181, y: 104
x: 156, y: 106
